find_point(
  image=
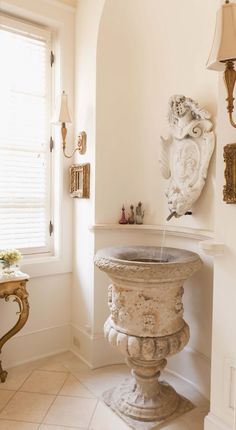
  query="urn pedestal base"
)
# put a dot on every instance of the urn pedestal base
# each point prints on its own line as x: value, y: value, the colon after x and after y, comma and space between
x: 142, y: 396
x: 113, y: 399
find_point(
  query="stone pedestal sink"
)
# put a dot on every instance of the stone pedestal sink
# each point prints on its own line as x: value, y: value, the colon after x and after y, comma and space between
x: 146, y: 324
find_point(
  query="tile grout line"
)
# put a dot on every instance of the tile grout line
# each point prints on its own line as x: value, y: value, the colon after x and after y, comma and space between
x: 1, y: 409
x: 19, y: 421
x: 61, y: 426
x: 38, y: 424
x: 93, y: 413
x: 29, y: 392
x: 15, y: 392
x: 83, y: 385
x: 68, y: 375
x: 55, y: 397
x: 68, y: 372
x: 42, y: 422
x: 49, y: 371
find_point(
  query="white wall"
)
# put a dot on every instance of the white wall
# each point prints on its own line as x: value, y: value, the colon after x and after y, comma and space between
x: 48, y: 328
x: 224, y: 316
x: 160, y: 49
x: 134, y: 69
x: 87, y: 24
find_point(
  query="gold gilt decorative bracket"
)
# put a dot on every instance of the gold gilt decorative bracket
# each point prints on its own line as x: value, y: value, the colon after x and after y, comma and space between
x: 229, y: 191
x: 16, y: 289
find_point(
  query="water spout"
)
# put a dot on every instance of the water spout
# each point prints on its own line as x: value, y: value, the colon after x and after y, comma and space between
x: 171, y: 216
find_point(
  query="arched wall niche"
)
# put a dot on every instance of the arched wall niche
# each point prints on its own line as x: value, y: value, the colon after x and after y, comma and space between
x: 146, y: 52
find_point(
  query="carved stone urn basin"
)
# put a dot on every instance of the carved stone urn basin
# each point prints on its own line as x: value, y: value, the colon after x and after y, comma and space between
x: 146, y: 325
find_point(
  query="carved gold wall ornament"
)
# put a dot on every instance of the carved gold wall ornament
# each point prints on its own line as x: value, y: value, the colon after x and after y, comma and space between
x: 229, y: 191
x: 14, y: 288
x: 80, y: 180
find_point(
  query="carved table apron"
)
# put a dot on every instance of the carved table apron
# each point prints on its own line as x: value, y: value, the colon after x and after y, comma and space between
x: 17, y: 288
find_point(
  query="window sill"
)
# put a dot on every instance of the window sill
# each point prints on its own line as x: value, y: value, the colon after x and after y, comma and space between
x: 45, y: 265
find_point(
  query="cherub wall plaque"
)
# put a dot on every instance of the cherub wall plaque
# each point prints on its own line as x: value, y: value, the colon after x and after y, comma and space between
x: 186, y: 153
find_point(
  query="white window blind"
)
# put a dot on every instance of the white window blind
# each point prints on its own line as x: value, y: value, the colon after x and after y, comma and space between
x: 25, y: 96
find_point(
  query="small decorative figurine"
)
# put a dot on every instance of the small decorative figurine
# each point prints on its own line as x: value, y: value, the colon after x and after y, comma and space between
x: 131, y: 219
x: 139, y: 214
x: 123, y: 220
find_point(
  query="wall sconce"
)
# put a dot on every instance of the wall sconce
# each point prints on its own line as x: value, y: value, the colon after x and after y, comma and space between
x: 62, y: 117
x: 223, y: 52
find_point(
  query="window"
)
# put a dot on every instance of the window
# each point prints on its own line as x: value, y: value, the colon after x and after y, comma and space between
x: 25, y: 158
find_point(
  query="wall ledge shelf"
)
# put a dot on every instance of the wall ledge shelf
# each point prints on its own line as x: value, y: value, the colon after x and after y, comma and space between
x: 212, y: 248
x: 185, y: 232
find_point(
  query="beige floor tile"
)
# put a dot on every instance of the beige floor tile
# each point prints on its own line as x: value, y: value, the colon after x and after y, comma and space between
x: 15, y: 378
x: 51, y: 363
x: 30, y: 407
x: 49, y: 427
x: 194, y: 396
x: 195, y: 418
x: 102, y: 379
x: 73, y: 363
x: 72, y: 387
x: 55, y: 362
x: 46, y: 382
x: 187, y: 390
x: 75, y: 407
x: 175, y: 425
x: 71, y: 411
x: 105, y: 419
x: 16, y: 425
x: 5, y: 396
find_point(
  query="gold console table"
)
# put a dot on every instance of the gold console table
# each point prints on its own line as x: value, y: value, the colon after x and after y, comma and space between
x: 15, y: 287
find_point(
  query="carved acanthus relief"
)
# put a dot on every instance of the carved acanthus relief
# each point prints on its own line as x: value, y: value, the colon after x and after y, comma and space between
x: 179, y: 308
x: 186, y: 153
x: 128, y: 306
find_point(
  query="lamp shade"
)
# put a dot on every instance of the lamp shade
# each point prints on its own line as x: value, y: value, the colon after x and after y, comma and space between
x: 62, y: 113
x: 224, y: 44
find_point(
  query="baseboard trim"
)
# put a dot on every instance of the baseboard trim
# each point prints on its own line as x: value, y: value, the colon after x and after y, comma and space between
x: 94, y: 350
x: 36, y: 358
x: 189, y: 365
x: 193, y: 367
x: 35, y: 345
x: 46, y: 329
x: 75, y: 352
x: 61, y: 5
x: 214, y: 423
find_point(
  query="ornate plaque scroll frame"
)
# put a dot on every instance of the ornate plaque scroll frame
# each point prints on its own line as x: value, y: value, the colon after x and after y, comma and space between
x: 229, y: 190
x: 80, y: 180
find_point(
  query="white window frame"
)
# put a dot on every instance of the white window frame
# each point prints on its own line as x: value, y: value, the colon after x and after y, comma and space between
x: 20, y: 26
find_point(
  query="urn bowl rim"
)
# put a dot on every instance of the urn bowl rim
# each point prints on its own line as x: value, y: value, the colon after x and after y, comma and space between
x: 147, y: 255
